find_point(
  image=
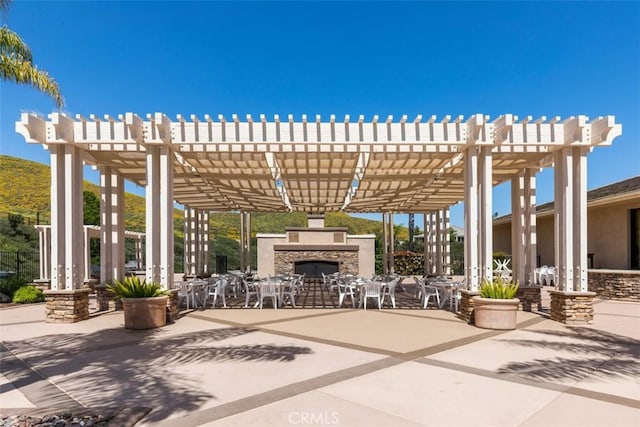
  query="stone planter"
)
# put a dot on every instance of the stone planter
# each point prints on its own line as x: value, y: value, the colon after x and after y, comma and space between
x: 145, y: 313
x: 491, y: 313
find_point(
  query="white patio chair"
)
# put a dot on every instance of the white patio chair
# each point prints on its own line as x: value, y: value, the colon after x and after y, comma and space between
x: 185, y: 294
x: 428, y: 292
x: 289, y: 290
x: 371, y: 290
x: 250, y: 289
x: 345, y: 288
x: 390, y: 290
x: 217, y: 289
x: 269, y: 289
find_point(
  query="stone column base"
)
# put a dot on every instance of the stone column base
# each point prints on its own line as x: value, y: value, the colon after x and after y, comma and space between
x: 572, y: 308
x: 529, y: 295
x: 104, y: 299
x: 66, y: 306
x: 466, y: 305
x: 173, y: 306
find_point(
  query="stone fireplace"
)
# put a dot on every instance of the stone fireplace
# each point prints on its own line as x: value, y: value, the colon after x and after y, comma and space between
x: 316, y: 249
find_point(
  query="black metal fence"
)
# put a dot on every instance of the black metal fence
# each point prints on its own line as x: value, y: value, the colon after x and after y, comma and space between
x: 25, y: 265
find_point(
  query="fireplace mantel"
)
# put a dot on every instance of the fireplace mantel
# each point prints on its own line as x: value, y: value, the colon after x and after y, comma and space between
x: 341, y: 248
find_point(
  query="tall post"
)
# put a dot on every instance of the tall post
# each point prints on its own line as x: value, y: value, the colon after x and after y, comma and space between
x: 204, y: 236
x: 580, y: 219
x: 392, y: 241
x: 485, y: 217
x: 385, y: 245
x: 159, y: 197
x: 247, y: 231
x: 438, y: 251
x: 518, y: 238
x: 152, y: 213
x: 447, y: 242
x: 564, y: 217
x: 425, y: 233
x: 112, y: 246
x: 166, y: 217
x: 243, y: 252
x: 530, y: 230
x: 471, y: 217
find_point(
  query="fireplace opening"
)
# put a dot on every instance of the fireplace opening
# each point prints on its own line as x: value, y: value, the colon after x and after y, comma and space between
x: 315, y: 268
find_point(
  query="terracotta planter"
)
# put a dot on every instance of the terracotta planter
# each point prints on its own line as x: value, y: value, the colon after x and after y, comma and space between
x: 491, y: 313
x: 145, y: 313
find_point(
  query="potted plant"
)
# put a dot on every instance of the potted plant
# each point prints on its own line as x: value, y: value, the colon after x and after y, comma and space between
x: 144, y: 304
x: 497, y: 306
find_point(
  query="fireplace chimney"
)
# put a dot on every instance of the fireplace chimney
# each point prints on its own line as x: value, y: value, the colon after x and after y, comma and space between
x: 315, y: 220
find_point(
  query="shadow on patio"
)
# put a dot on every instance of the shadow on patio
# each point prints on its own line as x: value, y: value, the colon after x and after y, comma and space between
x: 598, y: 353
x: 102, y: 369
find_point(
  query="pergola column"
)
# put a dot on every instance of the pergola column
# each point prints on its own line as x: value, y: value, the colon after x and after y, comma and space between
x: 572, y: 303
x: 471, y: 218
x: 446, y: 242
x: 86, y: 243
x: 518, y: 229
x: 190, y: 241
x: 112, y: 247
x: 139, y: 255
x: 438, y: 241
x: 203, y: 242
x: 388, y: 265
x: 44, y: 238
x: 426, y: 252
x: 159, y: 215
x: 530, y: 229
x: 66, y: 301
x: 485, y: 217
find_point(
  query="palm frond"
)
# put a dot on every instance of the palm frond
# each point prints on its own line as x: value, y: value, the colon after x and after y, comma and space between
x: 13, y: 69
x: 133, y: 287
x: 11, y: 44
x: 498, y: 289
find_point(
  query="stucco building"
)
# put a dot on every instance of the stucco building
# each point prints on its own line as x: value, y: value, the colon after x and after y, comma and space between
x: 613, y: 228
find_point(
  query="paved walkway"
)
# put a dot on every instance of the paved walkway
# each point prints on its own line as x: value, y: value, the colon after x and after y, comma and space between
x: 329, y: 367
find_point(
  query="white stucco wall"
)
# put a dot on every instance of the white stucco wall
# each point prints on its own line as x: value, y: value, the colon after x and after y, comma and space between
x: 265, y: 252
x: 366, y: 253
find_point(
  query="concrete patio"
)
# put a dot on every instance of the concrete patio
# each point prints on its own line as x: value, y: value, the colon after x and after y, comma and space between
x: 344, y: 367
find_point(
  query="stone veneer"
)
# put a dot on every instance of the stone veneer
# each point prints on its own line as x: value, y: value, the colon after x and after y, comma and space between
x: 66, y: 306
x: 347, y: 260
x: 466, y: 305
x: 529, y: 295
x: 572, y: 308
x: 105, y: 299
x: 173, y: 306
x: 618, y: 285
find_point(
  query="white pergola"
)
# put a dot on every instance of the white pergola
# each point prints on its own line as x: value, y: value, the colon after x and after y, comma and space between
x: 107, y: 252
x: 315, y: 166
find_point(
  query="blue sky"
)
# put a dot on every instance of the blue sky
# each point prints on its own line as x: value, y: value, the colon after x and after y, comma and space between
x: 457, y: 58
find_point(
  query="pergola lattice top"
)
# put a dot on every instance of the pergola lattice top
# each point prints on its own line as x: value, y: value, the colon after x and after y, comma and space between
x: 315, y: 166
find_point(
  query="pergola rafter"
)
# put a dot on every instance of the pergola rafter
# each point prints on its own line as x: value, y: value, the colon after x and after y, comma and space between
x: 315, y: 165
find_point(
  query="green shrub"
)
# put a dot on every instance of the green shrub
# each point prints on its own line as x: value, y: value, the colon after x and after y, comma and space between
x: 9, y: 285
x: 498, y: 289
x: 133, y: 287
x: 28, y: 295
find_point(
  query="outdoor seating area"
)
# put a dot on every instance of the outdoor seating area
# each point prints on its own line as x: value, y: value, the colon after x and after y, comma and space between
x: 331, y: 291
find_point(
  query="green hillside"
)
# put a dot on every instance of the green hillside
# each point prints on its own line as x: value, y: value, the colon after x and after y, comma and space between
x: 25, y: 190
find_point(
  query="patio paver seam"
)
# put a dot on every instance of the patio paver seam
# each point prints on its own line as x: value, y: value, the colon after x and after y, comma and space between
x: 36, y: 387
x: 284, y: 392
x: 513, y: 378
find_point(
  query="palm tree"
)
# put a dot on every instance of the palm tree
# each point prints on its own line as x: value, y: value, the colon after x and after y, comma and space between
x: 16, y: 63
x: 411, y: 231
